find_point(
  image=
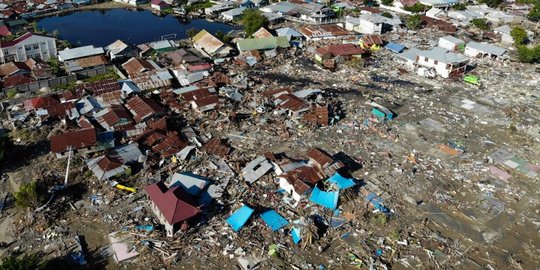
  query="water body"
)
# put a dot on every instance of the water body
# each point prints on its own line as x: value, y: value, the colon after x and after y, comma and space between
x: 102, y: 27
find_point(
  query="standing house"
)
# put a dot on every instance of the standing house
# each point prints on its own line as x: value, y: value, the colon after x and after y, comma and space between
x: 371, y: 24
x: 444, y: 62
x: 143, y: 108
x: 28, y: 46
x: 173, y: 207
x: 115, y: 162
x: 79, y: 52
x: 451, y: 43
x: 477, y: 49
x: 209, y: 46
x: 119, y: 50
x: 233, y: 14
x: 333, y: 54
x: 82, y: 140
x: 159, y: 5
x: 267, y: 43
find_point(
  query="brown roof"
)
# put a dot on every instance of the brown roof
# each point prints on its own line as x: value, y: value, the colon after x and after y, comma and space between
x: 216, y: 146
x: 91, y: 61
x: 319, y: 115
x: 202, y: 97
x: 60, y: 110
x: 143, y: 107
x: 114, y: 97
x: 135, y: 66
x: 300, y: 177
x: 17, y: 80
x: 116, y: 114
x: 209, y: 43
x: 276, y: 93
x: 320, y: 157
x: 314, y: 31
x: 175, y: 204
x: 262, y: 33
x: 334, y: 50
x: 370, y: 40
x: 439, y: 24
x: 12, y: 67
x: 291, y: 102
x: 76, y: 138
x: 108, y: 163
x: 371, y: 9
x: 100, y: 87
x: 171, y: 145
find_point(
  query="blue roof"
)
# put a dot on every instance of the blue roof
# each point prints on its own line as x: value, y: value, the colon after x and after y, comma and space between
x: 240, y: 217
x: 395, y: 47
x: 323, y: 198
x: 274, y: 220
x: 341, y: 181
x: 295, y: 233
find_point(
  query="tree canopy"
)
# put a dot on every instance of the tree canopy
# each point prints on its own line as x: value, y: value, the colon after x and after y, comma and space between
x: 480, y: 23
x: 519, y: 35
x: 414, y: 22
x: 24, y: 262
x: 5, y: 145
x: 252, y: 20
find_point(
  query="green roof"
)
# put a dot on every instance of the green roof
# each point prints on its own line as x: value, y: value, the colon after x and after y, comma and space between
x: 262, y: 43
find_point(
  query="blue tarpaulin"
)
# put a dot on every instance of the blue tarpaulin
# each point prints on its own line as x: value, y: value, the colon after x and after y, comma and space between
x: 394, y: 47
x: 323, y: 198
x: 377, y: 202
x: 295, y: 233
x: 240, y: 217
x: 341, y: 181
x: 274, y: 220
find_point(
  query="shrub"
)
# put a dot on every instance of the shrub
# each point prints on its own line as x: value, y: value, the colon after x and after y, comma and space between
x: 480, y: 23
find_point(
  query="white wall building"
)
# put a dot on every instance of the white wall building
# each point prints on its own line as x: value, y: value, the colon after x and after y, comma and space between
x: 28, y: 46
x: 442, y: 61
x: 451, y: 43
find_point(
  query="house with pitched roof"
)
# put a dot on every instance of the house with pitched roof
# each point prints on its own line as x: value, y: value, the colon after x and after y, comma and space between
x: 28, y: 46
x: 173, y: 206
x: 209, y: 45
x: 144, y: 108
x: 444, y: 62
x: 115, y: 162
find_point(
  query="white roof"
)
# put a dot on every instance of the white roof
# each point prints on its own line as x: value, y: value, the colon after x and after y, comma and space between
x: 191, y: 183
x: 80, y: 52
x: 452, y: 39
x: 486, y: 48
x: 443, y: 55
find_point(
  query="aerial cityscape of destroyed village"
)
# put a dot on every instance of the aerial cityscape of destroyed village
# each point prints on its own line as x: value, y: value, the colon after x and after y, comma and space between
x: 257, y: 134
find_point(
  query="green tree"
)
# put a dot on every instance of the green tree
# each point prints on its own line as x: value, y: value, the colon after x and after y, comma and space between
x: 5, y: 145
x: 459, y: 6
x: 387, y: 15
x: 414, y: 22
x: 480, y: 23
x: 191, y: 32
x: 528, y: 55
x: 387, y: 2
x: 252, y: 20
x: 416, y: 8
x: 24, y: 262
x: 28, y: 195
x: 519, y: 35
x: 534, y: 14
x: 11, y: 93
x: 491, y: 3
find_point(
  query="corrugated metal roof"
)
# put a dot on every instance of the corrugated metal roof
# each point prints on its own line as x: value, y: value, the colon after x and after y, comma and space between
x: 76, y: 138
x: 207, y: 42
x: 262, y: 43
x: 486, y: 48
x: 79, y: 52
x: 174, y: 204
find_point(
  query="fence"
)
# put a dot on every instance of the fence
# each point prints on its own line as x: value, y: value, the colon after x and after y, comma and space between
x: 50, y: 83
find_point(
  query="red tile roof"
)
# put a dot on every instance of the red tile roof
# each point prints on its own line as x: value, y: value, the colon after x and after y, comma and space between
x: 76, y: 138
x: 4, y: 31
x: 39, y: 102
x: 143, y: 107
x: 175, y: 204
x: 107, y: 163
x: 16, y: 41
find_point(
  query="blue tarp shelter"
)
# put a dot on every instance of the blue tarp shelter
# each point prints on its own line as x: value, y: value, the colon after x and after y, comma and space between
x: 323, y: 198
x: 240, y: 217
x: 394, y: 47
x: 341, y: 181
x: 274, y: 220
